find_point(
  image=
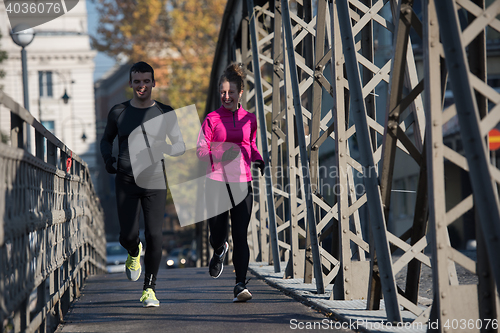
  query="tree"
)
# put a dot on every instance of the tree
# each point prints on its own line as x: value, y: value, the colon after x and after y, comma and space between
x: 131, y: 29
x: 178, y: 37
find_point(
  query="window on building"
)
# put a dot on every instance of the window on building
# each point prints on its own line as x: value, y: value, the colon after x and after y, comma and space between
x: 45, y: 83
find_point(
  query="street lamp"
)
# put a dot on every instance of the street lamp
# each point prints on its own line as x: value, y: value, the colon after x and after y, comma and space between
x: 23, y: 35
x: 65, y: 97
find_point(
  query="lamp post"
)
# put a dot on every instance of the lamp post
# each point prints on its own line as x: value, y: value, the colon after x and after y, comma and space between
x: 23, y: 35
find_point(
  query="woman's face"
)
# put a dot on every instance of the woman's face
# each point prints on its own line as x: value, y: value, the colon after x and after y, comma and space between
x: 229, y: 95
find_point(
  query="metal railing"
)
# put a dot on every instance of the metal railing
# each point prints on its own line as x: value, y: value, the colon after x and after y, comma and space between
x: 52, y: 228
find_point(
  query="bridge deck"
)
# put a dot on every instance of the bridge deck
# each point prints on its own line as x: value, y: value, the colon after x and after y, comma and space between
x: 191, y: 301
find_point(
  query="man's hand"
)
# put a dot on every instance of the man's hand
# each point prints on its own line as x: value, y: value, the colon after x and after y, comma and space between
x: 109, y: 165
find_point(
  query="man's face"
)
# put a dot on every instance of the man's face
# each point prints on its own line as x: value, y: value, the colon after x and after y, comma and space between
x: 142, y: 84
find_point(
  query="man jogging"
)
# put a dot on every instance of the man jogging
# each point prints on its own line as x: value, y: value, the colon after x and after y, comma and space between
x: 122, y: 120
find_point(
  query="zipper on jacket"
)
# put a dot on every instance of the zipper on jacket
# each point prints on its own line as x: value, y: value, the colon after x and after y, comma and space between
x: 234, y: 121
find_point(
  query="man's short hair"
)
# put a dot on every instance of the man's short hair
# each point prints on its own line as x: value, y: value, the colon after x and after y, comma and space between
x: 141, y: 67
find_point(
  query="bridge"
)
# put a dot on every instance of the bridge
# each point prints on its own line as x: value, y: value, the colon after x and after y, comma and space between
x: 341, y: 88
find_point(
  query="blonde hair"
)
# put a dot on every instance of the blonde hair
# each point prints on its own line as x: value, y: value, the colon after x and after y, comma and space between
x: 234, y: 73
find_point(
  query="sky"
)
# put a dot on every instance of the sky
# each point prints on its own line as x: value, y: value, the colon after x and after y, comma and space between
x: 102, y: 62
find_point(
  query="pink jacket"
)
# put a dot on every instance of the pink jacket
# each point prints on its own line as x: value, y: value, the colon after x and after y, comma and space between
x: 221, y: 130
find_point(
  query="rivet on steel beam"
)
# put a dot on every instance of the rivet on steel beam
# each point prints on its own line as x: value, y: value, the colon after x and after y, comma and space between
x: 341, y: 154
x: 435, y: 123
x: 344, y: 231
x: 433, y: 44
x: 341, y: 140
x: 344, y: 216
x: 443, y: 295
x: 347, y: 292
x: 346, y: 268
x: 444, y: 312
x: 339, y: 78
x: 440, y: 246
x: 346, y: 279
x: 436, y: 145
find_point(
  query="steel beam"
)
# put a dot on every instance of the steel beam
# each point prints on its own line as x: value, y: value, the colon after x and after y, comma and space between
x: 263, y: 133
x: 484, y: 188
x: 369, y: 175
x: 311, y: 220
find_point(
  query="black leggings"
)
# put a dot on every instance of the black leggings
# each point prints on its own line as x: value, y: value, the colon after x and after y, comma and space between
x: 129, y: 199
x: 240, y: 218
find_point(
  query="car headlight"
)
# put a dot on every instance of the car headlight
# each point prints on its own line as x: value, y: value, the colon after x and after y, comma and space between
x: 183, y: 261
x: 170, y: 262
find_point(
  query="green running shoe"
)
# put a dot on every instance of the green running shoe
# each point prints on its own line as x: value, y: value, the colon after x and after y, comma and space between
x: 133, y: 266
x: 148, y: 298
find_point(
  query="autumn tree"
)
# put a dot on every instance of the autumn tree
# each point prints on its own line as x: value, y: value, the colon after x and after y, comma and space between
x: 178, y: 37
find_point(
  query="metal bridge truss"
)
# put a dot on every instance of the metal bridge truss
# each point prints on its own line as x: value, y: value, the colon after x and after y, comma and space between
x: 313, y: 75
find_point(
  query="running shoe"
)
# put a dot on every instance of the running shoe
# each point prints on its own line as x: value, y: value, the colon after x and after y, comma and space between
x: 148, y: 298
x: 241, y: 293
x: 217, y: 262
x: 133, y: 266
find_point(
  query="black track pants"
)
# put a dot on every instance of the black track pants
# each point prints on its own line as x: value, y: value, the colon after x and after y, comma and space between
x: 130, y: 198
x: 240, y: 218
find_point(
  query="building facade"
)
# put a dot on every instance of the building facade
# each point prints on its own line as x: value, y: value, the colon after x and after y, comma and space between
x: 60, y: 66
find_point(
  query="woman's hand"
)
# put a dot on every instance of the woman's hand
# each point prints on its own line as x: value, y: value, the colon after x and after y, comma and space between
x: 260, y: 164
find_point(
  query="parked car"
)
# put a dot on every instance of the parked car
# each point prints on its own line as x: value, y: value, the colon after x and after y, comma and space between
x: 116, y: 256
x: 180, y: 257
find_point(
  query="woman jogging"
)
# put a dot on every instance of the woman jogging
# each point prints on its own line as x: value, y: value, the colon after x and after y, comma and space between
x: 227, y: 143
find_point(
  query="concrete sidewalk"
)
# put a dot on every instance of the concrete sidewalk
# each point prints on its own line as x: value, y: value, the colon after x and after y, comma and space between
x: 351, y: 314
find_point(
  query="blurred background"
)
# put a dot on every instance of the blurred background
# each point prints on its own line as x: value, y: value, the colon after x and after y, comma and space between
x: 78, y: 68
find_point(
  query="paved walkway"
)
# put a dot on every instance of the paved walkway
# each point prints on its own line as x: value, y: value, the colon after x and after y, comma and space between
x: 191, y: 301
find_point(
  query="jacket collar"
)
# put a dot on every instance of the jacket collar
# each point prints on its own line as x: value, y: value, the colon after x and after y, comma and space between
x: 223, y: 109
